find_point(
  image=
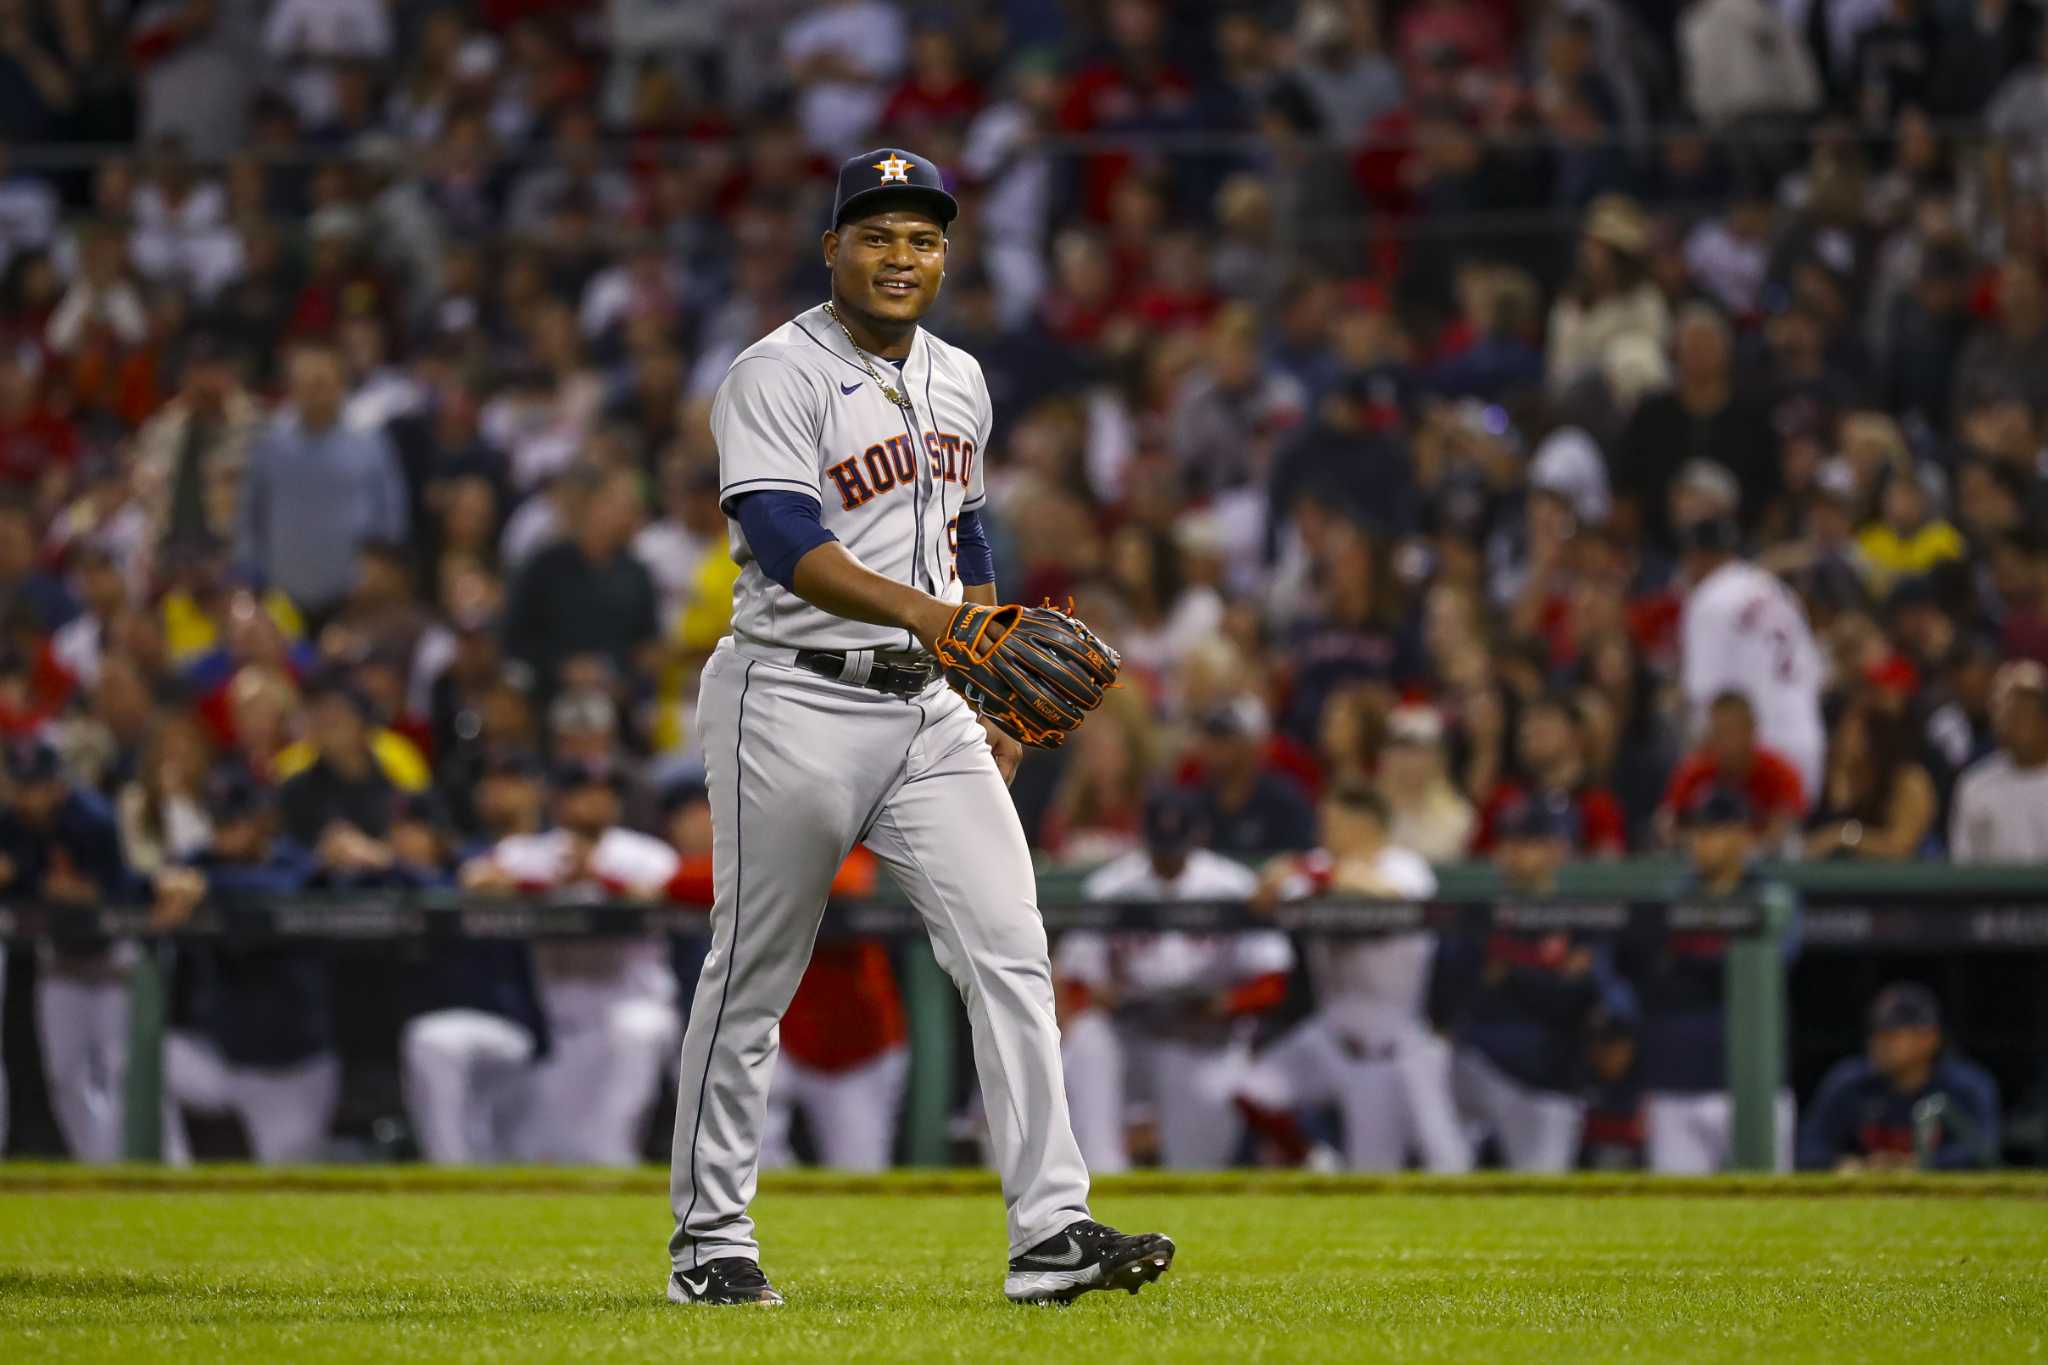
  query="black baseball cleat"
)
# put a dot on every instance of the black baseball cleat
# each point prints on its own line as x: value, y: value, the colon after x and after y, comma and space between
x: 735, y: 1279
x: 1087, y: 1256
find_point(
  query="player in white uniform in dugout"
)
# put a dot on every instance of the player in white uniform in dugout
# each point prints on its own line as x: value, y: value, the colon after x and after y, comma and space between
x: 1368, y: 1049
x: 1171, y: 1013
x: 850, y: 446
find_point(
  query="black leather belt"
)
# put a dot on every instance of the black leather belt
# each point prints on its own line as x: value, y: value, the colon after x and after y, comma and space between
x: 903, y: 677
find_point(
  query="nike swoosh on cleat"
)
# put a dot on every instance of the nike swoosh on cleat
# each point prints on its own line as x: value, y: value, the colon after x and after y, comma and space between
x: 1071, y: 1256
x: 696, y: 1288
x: 849, y: 388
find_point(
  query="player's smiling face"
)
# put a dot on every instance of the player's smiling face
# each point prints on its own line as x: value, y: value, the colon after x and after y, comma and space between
x: 887, y: 267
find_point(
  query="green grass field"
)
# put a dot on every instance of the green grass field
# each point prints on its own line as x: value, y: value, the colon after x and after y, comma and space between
x: 409, y: 1265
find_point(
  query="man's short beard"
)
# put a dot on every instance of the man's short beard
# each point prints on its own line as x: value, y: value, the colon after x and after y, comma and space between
x: 888, y: 329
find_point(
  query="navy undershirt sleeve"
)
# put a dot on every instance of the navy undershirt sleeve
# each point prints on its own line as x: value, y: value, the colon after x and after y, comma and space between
x: 974, y: 557
x: 781, y: 529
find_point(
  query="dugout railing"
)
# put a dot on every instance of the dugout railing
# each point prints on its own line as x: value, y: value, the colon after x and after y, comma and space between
x: 1830, y: 907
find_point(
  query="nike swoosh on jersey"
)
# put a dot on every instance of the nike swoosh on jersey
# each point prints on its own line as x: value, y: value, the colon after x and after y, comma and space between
x: 849, y: 388
x: 1071, y: 1256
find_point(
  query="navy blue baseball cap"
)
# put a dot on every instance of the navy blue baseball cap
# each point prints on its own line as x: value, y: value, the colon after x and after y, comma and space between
x: 1540, y: 818
x: 571, y: 774
x: 890, y: 176
x: 1711, y: 535
x: 682, y: 791
x: 235, y: 793
x: 33, y: 760
x: 1173, y: 820
x: 419, y: 808
x: 1718, y: 806
x: 1904, y: 1004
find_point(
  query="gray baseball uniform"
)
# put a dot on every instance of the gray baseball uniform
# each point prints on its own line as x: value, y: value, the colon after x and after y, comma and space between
x: 801, y: 767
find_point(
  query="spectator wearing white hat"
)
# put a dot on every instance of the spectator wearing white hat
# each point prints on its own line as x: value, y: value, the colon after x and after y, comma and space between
x: 1367, y: 1049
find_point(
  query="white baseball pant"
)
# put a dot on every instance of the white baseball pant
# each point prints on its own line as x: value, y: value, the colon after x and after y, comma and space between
x: 800, y: 769
x: 589, y: 1097
x: 84, y: 1028
x: 465, y: 1074
x: 1538, y: 1130
x: 284, y: 1110
x: 1692, y: 1134
x: 1192, y: 1089
x: 851, y: 1114
x: 1392, y: 1089
x: 1092, y: 1058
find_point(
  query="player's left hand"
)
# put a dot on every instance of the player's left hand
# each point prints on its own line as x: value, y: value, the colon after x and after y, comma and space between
x: 1034, y: 672
x: 1008, y: 752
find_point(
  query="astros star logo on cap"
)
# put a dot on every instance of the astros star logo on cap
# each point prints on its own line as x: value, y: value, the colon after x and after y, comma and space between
x: 894, y: 168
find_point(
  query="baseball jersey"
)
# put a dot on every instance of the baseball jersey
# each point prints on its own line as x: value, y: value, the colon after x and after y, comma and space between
x: 1742, y: 630
x: 1361, y: 980
x: 798, y: 413
x: 1165, y: 964
x: 623, y: 862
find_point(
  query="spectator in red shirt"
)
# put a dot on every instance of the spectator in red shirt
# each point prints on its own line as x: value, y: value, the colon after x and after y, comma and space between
x: 1177, y: 296
x: 1551, y: 768
x: 1132, y: 87
x: 1436, y: 30
x: 1731, y: 757
x: 1085, y: 298
x: 33, y: 440
x: 937, y: 92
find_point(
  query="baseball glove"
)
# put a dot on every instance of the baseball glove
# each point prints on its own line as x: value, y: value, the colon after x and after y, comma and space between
x: 1033, y: 672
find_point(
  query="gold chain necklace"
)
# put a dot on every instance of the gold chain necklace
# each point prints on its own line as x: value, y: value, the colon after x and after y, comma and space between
x: 889, y: 391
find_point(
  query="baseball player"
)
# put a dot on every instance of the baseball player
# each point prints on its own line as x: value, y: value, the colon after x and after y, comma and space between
x: 1520, y: 1009
x: 1907, y: 1102
x: 59, y: 843
x: 258, y: 1038
x: 1680, y: 980
x: 1367, y: 1048
x: 850, y: 446
x: 1171, y: 1011
x: 608, y: 1005
x: 476, y: 1025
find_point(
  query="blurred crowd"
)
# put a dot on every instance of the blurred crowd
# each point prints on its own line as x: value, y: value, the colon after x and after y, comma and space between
x: 1605, y: 408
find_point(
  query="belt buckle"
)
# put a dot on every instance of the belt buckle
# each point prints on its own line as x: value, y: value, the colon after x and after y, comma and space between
x: 904, y: 680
